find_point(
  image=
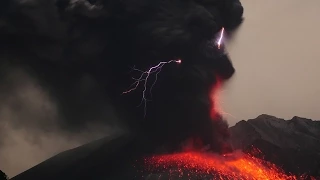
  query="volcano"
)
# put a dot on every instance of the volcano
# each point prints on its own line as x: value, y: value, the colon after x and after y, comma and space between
x: 64, y: 43
x: 267, y: 148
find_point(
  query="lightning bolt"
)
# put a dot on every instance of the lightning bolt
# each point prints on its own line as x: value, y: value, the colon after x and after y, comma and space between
x: 144, y: 77
x: 220, y: 38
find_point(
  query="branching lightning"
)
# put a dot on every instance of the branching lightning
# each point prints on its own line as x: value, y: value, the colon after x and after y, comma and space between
x: 220, y: 38
x: 144, y: 77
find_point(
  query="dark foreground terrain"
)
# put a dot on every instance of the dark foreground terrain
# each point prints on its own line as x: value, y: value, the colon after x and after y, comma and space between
x: 293, y: 145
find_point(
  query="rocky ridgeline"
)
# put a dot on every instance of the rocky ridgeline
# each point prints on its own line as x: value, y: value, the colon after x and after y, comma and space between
x: 293, y: 144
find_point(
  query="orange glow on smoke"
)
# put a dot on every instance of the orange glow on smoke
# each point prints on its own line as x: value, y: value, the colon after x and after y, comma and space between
x: 215, y: 100
x: 216, y: 109
x: 204, y: 165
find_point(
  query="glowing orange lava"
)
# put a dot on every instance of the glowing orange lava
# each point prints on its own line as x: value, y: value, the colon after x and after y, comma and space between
x: 210, y: 166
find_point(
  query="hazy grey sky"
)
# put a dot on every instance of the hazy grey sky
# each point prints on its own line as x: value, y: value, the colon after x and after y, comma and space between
x: 277, y: 60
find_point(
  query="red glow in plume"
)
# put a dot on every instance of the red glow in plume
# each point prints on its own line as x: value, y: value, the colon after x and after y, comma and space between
x: 190, y: 164
x: 216, y: 109
x: 205, y: 165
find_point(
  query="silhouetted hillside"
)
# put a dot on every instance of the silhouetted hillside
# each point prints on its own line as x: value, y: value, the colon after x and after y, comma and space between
x: 292, y: 145
x: 3, y: 176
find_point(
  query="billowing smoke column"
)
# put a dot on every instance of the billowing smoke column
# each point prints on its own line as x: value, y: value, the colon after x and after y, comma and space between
x: 63, y: 40
x: 181, y: 106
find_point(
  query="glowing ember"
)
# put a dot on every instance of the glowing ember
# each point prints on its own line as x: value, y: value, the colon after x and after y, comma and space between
x: 210, y: 166
x: 144, y: 77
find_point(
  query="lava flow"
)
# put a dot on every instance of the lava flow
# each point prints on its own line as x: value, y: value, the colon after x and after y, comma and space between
x: 195, y: 165
x: 202, y: 165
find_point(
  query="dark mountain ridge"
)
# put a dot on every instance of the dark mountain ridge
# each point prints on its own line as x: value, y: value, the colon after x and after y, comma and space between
x: 292, y: 144
x: 295, y: 133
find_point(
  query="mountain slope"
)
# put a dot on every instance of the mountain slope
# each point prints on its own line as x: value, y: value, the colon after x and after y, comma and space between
x: 90, y: 161
x: 293, y: 144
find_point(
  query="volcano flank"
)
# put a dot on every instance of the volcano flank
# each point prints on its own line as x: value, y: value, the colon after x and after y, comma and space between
x: 260, y: 157
x: 66, y: 63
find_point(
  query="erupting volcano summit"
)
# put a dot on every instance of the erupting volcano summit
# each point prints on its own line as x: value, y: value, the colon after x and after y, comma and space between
x: 173, y: 53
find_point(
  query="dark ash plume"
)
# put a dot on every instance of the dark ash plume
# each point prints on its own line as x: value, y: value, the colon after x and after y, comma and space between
x: 81, y: 51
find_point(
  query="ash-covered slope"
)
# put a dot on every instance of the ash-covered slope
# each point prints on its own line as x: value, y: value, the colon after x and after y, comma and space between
x: 100, y: 159
x: 293, y: 144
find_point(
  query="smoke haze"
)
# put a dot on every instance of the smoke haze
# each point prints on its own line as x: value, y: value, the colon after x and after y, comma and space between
x: 29, y: 124
x: 66, y: 63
